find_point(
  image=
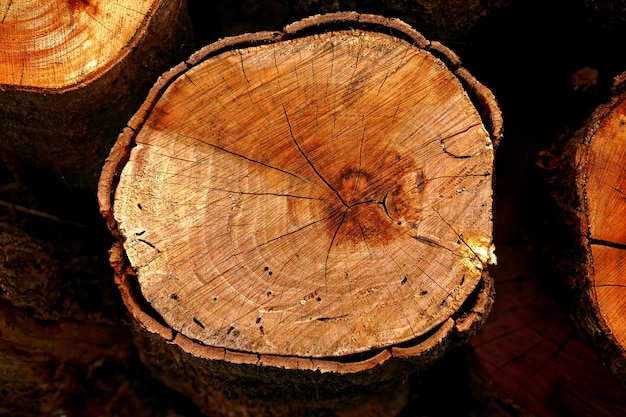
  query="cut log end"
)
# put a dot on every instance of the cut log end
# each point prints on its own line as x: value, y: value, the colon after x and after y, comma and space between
x: 309, y: 201
x: 72, y: 72
x: 66, y: 39
x: 601, y: 162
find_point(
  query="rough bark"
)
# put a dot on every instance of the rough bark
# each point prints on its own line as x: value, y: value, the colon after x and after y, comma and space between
x: 447, y: 20
x: 52, y: 351
x: 309, y: 211
x: 71, y: 75
x: 590, y: 191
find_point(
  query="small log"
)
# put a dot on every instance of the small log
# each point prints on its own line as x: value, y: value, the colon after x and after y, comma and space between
x: 590, y: 192
x: 304, y: 217
x: 71, y: 75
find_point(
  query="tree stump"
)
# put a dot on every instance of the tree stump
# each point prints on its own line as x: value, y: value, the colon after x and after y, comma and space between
x: 304, y: 217
x: 591, y: 194
x: 71, y: 75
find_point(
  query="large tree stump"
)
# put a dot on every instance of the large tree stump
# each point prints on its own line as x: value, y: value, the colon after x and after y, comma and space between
x: 590, y: 186
x: 71, y: 75
x: 305, y: 216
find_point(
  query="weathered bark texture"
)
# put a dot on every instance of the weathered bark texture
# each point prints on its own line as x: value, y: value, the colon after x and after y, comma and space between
x: 530, y: 352
x: 51, y: 349
x: 591, y: 193
x: 445, y: 20
x: 305, y: 216
x: 71, y: 75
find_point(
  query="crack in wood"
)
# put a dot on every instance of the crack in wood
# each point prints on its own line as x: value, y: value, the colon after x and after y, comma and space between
x: 620, y: 192
x: 447, y: 152
x: 219, y: 148
x: 610, y: 285
x: 334, y: 318
x: 330, y: 247
x: 608, y: 244
x: 6, y: 11
x: 429, y: 242
x: 309, y: 161
x: 263, y: 194
x: 258, y: 106
x: 384, y: 204
x: 460, y: 236
x: 198, y: 322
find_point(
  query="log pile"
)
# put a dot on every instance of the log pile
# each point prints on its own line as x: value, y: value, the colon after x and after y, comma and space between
x: 72, y: 74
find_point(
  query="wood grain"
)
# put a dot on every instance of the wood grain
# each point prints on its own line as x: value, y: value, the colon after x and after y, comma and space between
x: 72, y: 73
x: 313, y: 206
x: 299, y: 192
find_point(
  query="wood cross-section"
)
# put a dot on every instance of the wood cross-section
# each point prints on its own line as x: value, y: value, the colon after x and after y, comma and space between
x: 313, y: 196
x: 58, y: 44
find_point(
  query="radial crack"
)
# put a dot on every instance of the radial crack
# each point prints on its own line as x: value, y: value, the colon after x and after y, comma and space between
x: 309, y: 161
x: 219, y: 148
x: 607, y: 243
x: 6, y: 11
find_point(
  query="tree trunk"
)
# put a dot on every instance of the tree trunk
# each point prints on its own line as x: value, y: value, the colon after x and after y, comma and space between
x: 71, y: 75
x: 302, y: 214
x: 591, y: 194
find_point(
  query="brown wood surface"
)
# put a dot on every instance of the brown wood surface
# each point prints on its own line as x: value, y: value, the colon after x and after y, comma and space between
x: 531, y: 352
x: 313, y: 202
x: 594, y: 208
x: 529, y: 359
x: 71, y: 75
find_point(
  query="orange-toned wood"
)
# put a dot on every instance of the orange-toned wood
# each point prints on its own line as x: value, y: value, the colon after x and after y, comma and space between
x: 71, y: 75
x: 315, y: 200
x: 596, y: 158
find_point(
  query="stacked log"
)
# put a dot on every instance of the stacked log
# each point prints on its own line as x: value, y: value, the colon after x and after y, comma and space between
x: 303, y: 218
x: 71, y: 75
